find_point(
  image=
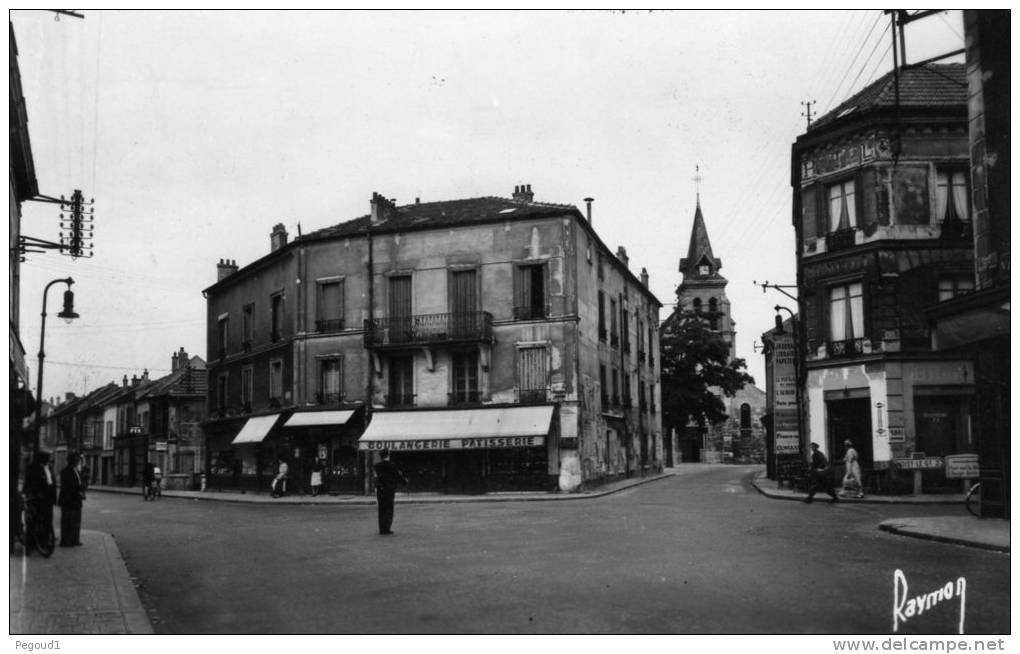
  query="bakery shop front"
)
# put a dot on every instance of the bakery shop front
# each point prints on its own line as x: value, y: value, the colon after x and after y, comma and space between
x: 469, y: 451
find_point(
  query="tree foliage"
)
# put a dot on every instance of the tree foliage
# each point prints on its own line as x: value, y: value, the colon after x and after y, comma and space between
x: 695, y: 368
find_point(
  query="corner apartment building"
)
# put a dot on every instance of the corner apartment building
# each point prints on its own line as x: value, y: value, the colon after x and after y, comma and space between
x: 491, y: 343
x: 882, y: 215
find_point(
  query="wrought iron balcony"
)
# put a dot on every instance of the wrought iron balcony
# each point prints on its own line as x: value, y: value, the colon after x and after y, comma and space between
x: 331, y: 325
x: 956, y: 230
x: 329, y: 398
x: 531, y: 395
x: 845, y: 349
x: 530, y: 312
x: 840, y: 240
x: 428, y: 329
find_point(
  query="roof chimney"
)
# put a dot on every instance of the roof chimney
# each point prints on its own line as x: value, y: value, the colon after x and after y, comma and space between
x: 225, y: 268
x: 134, y: 380
x: 588, y: 202
x: 145, y: 374
x: 125, y: 381
x: 68, y: 397
x: 278, y: 237
x: 382, y: 209
x: 621, y: 254
x: 523, y: 193
x: 644, y: 277
x: 173, y: 362
x: 182, y: 359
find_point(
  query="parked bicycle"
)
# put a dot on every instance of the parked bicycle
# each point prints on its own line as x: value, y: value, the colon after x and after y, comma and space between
x: 152, y: 482
x: 973, y: 500
x: 34, y: 531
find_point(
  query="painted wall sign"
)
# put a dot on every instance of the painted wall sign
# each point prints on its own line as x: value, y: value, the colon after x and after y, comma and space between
x: 454, y: 443
x: 897, y: 435
x: 928, y: 463
x: 962, y: 466
x: 787, y: 444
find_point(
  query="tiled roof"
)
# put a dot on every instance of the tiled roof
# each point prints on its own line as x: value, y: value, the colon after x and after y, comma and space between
x: 931, y: 85
x: 429, y: 215
x: 184, y: 382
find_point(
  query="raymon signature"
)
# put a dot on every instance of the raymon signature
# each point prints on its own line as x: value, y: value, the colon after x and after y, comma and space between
x: 906, y: 606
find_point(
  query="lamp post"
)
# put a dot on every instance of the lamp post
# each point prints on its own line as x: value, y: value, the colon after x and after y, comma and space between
x: 68, y: 315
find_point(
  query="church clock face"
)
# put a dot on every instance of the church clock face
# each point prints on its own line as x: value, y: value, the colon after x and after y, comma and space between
x: 703, y: 270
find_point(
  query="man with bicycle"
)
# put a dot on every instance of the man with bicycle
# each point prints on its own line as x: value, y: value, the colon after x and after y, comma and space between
x: 40, y: 493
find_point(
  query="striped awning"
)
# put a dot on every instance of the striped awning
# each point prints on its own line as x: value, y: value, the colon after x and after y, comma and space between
x: 318, y: 418
x: 466, y: 429
x: 256, y: 429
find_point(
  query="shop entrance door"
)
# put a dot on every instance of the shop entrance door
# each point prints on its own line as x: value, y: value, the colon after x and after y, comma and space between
x: 850, y: 419
x: 464, y: 473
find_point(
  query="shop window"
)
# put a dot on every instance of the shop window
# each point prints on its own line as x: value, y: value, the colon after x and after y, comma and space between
x: 330, y: 381
x: 330, y: 306
x: 951, y: 196
x: 465, y: 378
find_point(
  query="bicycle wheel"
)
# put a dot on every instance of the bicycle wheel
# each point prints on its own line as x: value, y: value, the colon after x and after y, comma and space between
x: 973, y: 500
x: 45, y: 539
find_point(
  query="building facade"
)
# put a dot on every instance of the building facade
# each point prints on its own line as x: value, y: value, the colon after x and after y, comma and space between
x: 884, y: 230
x: 491, y: 343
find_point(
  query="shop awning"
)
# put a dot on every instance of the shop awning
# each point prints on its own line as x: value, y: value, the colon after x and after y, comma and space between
x: 468, y: 429
x: 318, y: 418
x: 255, y: 430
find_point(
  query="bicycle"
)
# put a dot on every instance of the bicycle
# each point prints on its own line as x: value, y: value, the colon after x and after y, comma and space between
x: 33, y: 532
x: 973, y: 500
x: 152, y: 490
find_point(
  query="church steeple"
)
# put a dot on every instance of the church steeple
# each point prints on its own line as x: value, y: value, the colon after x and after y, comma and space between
x: 699, y: 263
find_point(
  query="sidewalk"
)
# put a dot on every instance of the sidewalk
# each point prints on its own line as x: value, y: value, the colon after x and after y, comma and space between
x: 959, y: 529
x: 404, y: 498
x: 78, y: 590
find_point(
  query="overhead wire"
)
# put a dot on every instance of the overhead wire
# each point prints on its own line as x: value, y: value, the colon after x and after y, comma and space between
x: 853, y: 62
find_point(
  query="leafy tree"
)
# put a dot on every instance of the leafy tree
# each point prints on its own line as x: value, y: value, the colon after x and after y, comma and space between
x: 695, y: 368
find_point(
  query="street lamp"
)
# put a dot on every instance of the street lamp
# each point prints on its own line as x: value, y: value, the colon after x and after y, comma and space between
x: 68, y: 315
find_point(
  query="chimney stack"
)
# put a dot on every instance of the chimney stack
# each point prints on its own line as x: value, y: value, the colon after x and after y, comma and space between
x: 173, y: 362
x: 621, y: 254
x: 125, y: 381
x: 134, y: 380
x: 382, y: 209
x: 145, y: 374
x: 644, y: 277
x: 523, y: 193
x: 183, y: 361
x: 225, y: 268
x: 68, y: 397
x: 588, y: 202
x: 278, y: 237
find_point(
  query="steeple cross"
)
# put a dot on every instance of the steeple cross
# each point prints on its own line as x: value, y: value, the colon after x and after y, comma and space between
x: 697, y: 182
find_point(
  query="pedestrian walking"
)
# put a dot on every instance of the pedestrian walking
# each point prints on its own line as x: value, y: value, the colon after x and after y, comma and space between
x: 821, y: 476
x: 280, y: 480
x: 72, y: 496
x: 317, y: 471
x: 853, y: 483
x: 387, y: 478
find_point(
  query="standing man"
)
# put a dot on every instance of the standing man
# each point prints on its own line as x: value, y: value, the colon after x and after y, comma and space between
x: 821, y: 476
x: 72, y: 495
x: 387, y: 478
x: 41, y: 488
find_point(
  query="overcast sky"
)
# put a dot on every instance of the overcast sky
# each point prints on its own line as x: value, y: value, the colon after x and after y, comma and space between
x: 196, y: 132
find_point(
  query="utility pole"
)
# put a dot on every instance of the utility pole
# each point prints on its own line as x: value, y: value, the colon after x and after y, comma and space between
x: 807, y: 110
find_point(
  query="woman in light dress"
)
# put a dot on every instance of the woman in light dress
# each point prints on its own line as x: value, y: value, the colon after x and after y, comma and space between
x: 852, y: 482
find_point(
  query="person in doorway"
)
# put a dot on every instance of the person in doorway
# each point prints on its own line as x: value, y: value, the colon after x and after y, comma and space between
x: 853, y: 483
x: 317, y: 471
x: 280, y: 480
x: 821, y: 476
x: 72, y: 496
x: 387, y: 478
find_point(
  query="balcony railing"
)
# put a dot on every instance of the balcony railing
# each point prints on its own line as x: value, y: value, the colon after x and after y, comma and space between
x: 530, y: 312
x: 330, y: 325
x: 956, y: 230
x: 397, y: 401
x: 843, y: 349
x: 428, y: 329
x: 531, y: 395
x: 329, y: 398
x: 463, y: 397
x: 840, y: 240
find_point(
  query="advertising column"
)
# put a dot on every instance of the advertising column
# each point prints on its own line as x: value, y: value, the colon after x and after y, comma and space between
x: 786, y: 416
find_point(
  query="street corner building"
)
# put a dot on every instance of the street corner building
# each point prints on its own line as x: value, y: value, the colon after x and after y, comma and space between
x: 885, y: 224
x: 492, y: 344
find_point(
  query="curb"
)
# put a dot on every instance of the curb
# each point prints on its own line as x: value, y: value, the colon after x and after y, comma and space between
x: 892, y: 499
x: 899, y: 531
x: 255, y: 498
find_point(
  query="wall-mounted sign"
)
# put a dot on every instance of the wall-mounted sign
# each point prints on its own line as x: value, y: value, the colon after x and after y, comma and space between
x: 962, y: 466
x: 787, y: 444
x: 928, y: 463
x: 161, y: 446
x: 896, y: 435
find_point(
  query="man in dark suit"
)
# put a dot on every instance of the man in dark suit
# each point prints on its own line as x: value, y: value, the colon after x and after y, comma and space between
x: 387, y: 478
x: 41, y: 487
x: 821, y: 476
x: 72, y: 495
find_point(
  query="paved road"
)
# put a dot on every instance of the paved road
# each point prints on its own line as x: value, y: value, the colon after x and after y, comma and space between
x: 698, y: 553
